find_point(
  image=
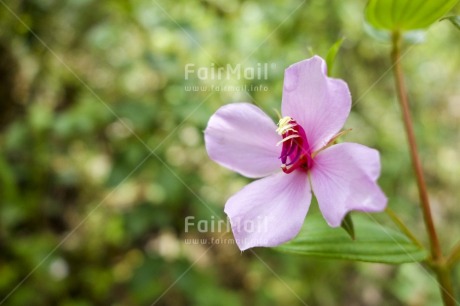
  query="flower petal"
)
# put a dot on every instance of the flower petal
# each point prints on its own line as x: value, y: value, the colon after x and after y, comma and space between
x: 367, y: 158
x: 269, y: 211
x: 343, y: 178
x: 241, y: 137
x: 319, y: 104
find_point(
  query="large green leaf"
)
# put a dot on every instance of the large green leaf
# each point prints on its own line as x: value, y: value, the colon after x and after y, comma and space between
x: 406, y: 15
x: 373, y: 242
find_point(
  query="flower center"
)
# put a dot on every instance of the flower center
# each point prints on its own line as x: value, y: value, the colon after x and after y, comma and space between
x: 295, y: 153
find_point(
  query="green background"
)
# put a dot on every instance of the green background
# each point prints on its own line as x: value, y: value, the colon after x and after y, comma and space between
x: 102, y: 152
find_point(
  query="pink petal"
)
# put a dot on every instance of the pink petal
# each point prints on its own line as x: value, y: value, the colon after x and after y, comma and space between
x: 367, y: 158
x: 243, y: 138
x: 343, y: 178
x: 276, y: 206
x: 319, y: 104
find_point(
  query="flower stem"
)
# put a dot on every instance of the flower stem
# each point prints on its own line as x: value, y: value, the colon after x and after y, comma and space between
x: 394, y: 217
x: 437, y: 259
x: 454, y: 255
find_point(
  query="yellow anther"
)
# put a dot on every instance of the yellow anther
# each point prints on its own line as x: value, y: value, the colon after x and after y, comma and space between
x: 287, y: 138
x: 285, y: 125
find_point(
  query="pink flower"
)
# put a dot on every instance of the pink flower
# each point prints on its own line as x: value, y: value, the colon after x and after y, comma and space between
x: 293, y: 159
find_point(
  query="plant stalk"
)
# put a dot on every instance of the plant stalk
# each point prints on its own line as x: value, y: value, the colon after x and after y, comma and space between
x: 437, y: 259
x: 454, y: 255
x: 403, y: 227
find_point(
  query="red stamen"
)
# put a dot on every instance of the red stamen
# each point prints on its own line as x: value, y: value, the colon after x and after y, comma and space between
x: 295, y: 153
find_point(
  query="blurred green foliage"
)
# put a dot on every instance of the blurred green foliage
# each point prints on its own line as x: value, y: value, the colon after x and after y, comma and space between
x: 406, y: 15
x: 102, y: 153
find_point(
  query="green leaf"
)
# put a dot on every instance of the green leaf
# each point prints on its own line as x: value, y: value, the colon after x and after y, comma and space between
x: 373, y: 243
x: 454, y: 19
x: 347, y: 225
x: 331, y: 55
x: 406, y: 15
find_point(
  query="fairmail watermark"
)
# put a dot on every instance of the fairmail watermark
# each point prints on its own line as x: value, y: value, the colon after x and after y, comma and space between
x: 257, y: 226
x: 228, y: 78
x: 260, y: 71
x: 227, y: 88
x: 214, y: 225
